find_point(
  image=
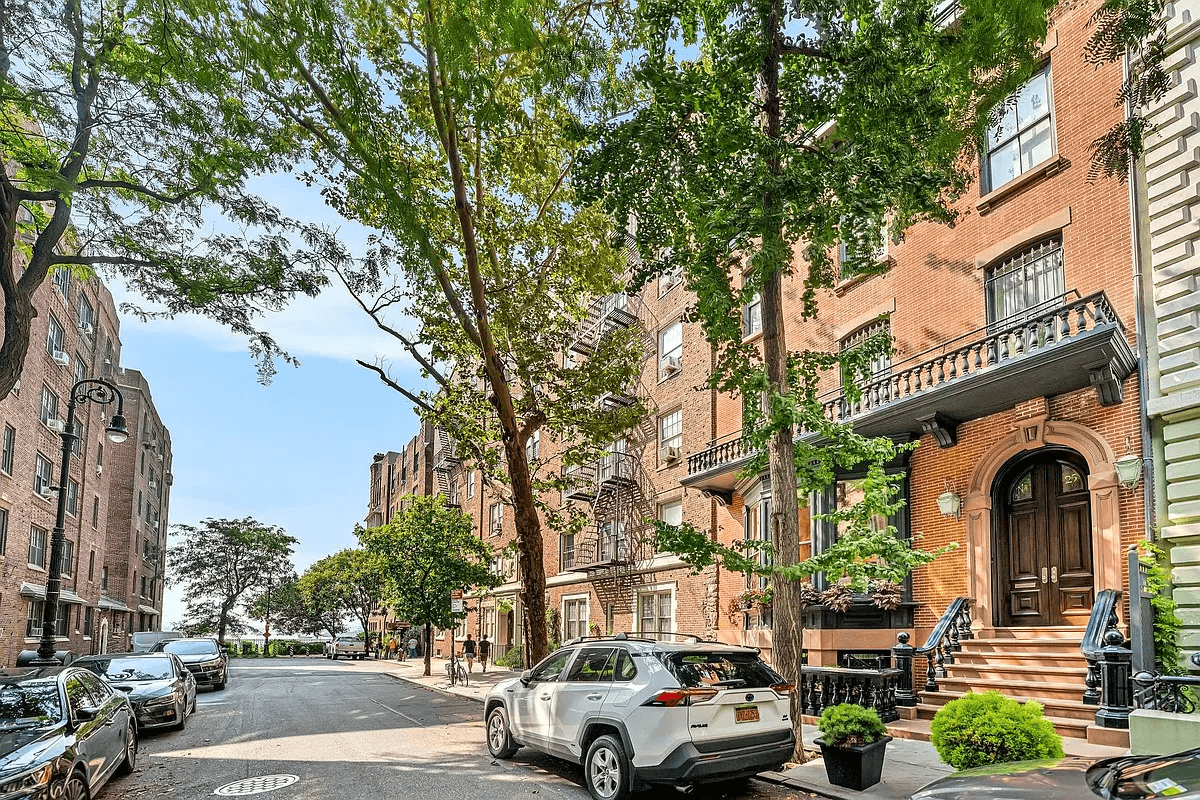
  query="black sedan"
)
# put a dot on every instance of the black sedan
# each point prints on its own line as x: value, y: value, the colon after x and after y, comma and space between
x: 158, y: 685
x: 1121, y: 778
x: 63, y: 733
x: 203, y: 657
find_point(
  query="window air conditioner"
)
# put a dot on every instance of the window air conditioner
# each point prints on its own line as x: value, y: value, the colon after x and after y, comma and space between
x: 61, y: 358
x: 86, y: 328
x: 669, y: 455
x: 56, y: 425
x: 497, y: 528
x: 669, y: 365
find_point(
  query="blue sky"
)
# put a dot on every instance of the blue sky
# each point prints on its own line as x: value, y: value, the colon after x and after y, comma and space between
x: 296, y: 453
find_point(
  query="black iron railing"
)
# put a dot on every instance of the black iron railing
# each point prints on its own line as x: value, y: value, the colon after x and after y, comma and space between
x: 821, y: 687
x: 718, y: 455
x: 942, y: 643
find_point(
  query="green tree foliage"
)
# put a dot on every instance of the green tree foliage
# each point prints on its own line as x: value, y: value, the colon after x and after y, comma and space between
x: 221, y: 560
x: 347, y: 583
x: 981, y: 729
x: 125, y: 140
x: 423, y: 554
x: 446, y: 125
x: 288, y: 610
x: 769, y: 133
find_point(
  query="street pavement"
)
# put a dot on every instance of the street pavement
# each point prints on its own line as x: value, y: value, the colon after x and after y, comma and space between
x: 313, y: 728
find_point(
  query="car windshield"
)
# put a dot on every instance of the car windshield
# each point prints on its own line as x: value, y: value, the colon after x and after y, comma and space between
x: 131, y: 669
x: 31, y: 702
x: 719, y: 669
x: 1144, y: 777
x: 182, y: 647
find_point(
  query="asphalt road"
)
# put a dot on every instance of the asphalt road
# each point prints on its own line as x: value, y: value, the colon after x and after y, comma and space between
x: 346, y: 730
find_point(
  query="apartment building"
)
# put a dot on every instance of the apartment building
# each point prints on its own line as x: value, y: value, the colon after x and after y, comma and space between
x: 136, y: 559
x: 1013, y: 369
x: 75, y: 335
x: 1169, y: 268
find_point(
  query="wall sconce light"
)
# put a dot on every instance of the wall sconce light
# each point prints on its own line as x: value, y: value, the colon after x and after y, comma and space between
x: 1129, y: 466
x: 949, y: 503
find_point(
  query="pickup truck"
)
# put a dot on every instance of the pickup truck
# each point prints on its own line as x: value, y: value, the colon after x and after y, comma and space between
x: 349, y: 646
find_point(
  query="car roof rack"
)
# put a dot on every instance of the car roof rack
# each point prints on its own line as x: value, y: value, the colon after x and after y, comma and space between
x: 612, y: 637
x: 624, y: 636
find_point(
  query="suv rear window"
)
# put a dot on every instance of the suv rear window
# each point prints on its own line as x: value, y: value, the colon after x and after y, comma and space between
x: 696, y: 670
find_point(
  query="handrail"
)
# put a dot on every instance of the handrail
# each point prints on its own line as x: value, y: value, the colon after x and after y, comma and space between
x: 1103, y: 619
x: 821, y: 687
x: 953, y: 611
x: 943, y: 642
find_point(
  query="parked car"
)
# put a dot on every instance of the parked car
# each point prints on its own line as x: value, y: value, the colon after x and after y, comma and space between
x: 144, y: 641
x: 160, y: 688
x: 637, y: 712
x: 1124, y: 777
x: 349, y: 646
x: 63, y: 733
x: 204, y: 657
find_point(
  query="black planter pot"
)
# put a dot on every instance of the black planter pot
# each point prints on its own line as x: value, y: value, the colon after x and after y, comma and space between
x: 854, y: 768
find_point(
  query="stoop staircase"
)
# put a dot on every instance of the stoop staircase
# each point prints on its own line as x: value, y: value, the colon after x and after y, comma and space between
x: 1042, y: 664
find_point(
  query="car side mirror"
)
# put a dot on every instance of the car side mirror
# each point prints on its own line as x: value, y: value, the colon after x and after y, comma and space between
x: 527, y: 677
x: 85, y: 713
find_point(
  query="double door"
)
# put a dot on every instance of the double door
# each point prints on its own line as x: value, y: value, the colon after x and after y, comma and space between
x: 1044, y: 544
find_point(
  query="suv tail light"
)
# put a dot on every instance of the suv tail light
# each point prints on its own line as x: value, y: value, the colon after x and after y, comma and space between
x: 681, y: 697
x: 783, y: 688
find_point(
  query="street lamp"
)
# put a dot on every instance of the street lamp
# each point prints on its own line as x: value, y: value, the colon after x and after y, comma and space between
x: 267, y: 628
x: 101, y: 392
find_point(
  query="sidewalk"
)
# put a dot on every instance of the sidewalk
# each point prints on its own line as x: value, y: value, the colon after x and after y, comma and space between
x: 908, y: 765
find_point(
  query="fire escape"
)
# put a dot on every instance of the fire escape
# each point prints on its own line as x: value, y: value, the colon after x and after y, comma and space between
x: 446, y: 466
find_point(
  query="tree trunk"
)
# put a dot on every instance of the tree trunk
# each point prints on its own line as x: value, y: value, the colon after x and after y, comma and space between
x: 529, y: 550
x: 428, y: 649
x: 18, y: 306
x: 787, y: 634
x: 223, y: 623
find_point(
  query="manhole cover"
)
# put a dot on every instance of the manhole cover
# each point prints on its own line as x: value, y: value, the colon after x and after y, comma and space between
x: 263, y: 783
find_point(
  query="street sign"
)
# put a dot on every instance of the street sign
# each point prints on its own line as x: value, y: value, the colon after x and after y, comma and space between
x: 456, y: 601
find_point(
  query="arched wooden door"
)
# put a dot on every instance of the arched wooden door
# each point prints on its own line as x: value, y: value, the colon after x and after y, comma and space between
x: 1044, y: 542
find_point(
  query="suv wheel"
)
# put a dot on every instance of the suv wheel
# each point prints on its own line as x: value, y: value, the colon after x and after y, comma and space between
x: 500, y: 743
x: 605, y: 770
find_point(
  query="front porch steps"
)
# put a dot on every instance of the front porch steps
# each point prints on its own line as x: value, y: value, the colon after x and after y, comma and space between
x: 1042, y: 664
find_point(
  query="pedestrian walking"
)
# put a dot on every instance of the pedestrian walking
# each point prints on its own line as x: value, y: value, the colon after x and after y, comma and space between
x: 485, y: 650
x: 469, y: 652
x: 393, y: 645
x: 412, y: 646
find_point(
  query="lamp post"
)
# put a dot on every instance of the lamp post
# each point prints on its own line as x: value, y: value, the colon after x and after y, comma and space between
x: 93, y: 390
x: 267, y: 628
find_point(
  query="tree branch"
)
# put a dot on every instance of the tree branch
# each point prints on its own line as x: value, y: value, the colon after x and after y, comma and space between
x: 383, y: 376
x: 96, y: 183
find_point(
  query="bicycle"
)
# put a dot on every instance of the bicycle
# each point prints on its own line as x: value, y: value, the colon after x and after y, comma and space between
x: 455, y: 671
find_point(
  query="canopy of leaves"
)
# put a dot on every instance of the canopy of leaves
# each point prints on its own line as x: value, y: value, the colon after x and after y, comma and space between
x: 220, y: 560
x: 126, y: 140
x: 423, y: 554
x: 347, y: 583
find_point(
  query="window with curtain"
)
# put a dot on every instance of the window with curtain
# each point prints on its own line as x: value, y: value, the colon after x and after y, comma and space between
x: 1025, y: 285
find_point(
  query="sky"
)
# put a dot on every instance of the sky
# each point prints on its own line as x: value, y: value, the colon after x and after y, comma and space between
x: 296, y: 453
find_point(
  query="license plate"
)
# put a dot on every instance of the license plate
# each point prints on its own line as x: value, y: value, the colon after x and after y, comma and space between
x: 745, y: 714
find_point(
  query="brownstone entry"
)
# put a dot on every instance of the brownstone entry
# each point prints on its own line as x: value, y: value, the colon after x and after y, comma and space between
x: 1044, y: 541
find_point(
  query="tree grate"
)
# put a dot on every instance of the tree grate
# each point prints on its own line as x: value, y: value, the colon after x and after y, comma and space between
x: 258, y: 785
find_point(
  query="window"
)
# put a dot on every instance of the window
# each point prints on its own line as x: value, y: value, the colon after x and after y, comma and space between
x: 49, y: 407
x: 143, y: 467
x: 67, y: 560
x: 9, y: 449
x: 54, y: 336
x: 91, y: 566
x: 752, y: 316
x: 80, y: 368
x: 3, y: 531
x: 495, y: 518
x: 656, y: 613
x: 671, y: 512
x: 96, y: 511
x: 531, y: 446
x: 552, y: 667
x: 575, y: 618
x: 37, y: 547
x: 1024, y: 136
x: 880, y: 363
x: 670, y: 350
x: 80, y: 434
x: 669, y: 279
x: 104, y: 578
x: 470, y: 484
x: 89, y: 618
x: 566, y: 552
x: 143, y: 586
x: 41, y: 475
x: 1025, y: 285
x: 72, y: 497
x: 613, y: 542
x: 62, y: 280
x: 33, y: 626
x: 99, y: 457
x: 593, y: 664
x: 85, y: 315
x: 670, y: 429
x: 756, y: 517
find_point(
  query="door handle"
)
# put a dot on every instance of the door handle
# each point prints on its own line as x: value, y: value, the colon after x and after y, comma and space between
x: 546, y: 697
x: 594, y: 696
x: 1043, y: 574
x: 1054, y: 574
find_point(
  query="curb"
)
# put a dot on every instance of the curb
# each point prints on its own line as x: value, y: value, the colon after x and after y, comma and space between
x: 438, y: 689
x: 779, y: 779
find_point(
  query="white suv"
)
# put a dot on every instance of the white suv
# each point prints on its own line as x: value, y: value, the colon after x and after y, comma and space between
x: 637, y: 711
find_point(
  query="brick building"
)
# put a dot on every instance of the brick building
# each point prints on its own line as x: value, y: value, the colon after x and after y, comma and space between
x: 1013, y: 368
x: 75, y: 335
x: 1169, y: 269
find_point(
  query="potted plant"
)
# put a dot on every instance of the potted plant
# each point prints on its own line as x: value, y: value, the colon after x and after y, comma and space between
x: 852, y: 743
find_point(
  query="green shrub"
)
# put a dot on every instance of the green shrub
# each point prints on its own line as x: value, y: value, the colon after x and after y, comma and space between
x: 851, y: 725
x: 989, y: 728
x: 513, y: 658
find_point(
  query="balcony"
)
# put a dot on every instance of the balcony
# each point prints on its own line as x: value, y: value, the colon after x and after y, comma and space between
x: 1075, y: 343
x: 581, y: 482
x: 601, y: 552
